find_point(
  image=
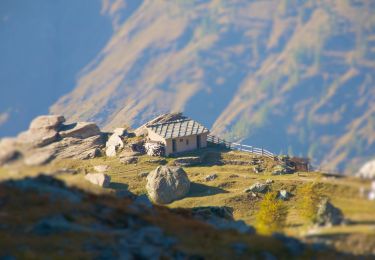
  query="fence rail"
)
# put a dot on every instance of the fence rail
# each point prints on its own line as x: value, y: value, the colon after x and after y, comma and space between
x: 240, y: 147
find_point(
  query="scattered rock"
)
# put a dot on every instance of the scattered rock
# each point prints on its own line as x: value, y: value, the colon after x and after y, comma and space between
x: 187, y: 161
x: 269, y: 181
x: 39, y: 158
x: 257, y: 169
x: 100, y: 179
x: 155, y: 148
x: 328, y: 215
x: 136, y: 146
x: 282, y: 169
x: 166, y: 184
x: 101, y: 168
x: 80, y: 130
x: 129, y: 160
x: 233, y: 176
x: 48, y: 122
x: 126, y: 153
x: 211, y: 177
x: 283, y: 195
x: 158, y: 161
x: 235, y: 162
x: 257, y: 188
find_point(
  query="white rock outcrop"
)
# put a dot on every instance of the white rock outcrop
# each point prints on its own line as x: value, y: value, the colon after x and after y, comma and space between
x: 166, y: 184
x: 367, y: 170
x: 115, y: 142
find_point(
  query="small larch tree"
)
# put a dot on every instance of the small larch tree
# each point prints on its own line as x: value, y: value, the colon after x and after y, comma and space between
x: 308, y: 202
x: 272, y: 214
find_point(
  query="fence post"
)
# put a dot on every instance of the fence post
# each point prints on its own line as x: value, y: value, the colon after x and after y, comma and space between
x: 262, y: 151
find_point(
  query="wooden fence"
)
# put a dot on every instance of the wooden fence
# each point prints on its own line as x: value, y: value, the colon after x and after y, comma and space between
x: 240, y: 147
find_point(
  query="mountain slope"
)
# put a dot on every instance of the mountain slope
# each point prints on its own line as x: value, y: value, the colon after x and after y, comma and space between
x: 292, y: 76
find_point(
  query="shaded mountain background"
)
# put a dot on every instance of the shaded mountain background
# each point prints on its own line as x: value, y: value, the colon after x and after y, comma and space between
x: 43, y: 45
x: 292, y: 76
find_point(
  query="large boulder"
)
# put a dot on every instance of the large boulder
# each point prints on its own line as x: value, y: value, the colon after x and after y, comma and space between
x: 367, y: 170
x: 166, y: 184
x: 48, y: 139
x: 47, y: 121
x: 77, y: 148
x: 38, y: 137
x: 8, y: 150
x: 328, y: 215
x: 79, y: 130
x: 101, y: 179
x: 39, y: 157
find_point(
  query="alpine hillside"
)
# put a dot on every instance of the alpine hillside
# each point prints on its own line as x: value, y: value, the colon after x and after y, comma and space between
x: 294, y: 77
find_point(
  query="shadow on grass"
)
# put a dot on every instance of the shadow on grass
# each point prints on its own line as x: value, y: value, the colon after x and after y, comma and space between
x: 360, y: 222
x: 118, y: 186
x: 202, y: 190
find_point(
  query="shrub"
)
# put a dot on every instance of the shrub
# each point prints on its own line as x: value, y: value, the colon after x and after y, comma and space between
x: 272, y: 214
x: 308, y: 202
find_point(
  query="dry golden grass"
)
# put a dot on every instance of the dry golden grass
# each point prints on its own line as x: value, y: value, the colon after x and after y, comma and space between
x: 228, y: 190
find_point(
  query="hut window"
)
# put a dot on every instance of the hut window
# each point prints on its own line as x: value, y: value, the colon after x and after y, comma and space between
x: 181, y: 140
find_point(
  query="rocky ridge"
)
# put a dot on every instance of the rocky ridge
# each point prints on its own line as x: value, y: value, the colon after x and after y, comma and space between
x: 48, y: 138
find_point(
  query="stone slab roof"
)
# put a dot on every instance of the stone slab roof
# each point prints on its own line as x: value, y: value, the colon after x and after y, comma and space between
x: 178, y: 128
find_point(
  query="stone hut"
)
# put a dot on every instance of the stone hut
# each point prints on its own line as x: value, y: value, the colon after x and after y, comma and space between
x: 180, y: 135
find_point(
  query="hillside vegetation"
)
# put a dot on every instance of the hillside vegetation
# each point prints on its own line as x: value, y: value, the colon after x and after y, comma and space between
x: 295, y: 77
x: 355, y: 237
